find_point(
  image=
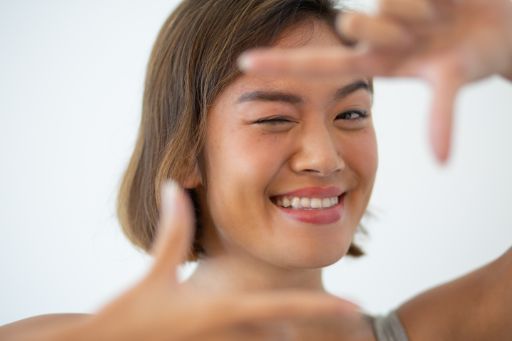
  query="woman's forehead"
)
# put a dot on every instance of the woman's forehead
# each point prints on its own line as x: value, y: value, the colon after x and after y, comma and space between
x: 248, y: 87
x: 308, y: 33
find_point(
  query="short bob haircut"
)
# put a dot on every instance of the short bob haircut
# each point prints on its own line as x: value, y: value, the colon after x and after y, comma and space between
x: 194, y: 58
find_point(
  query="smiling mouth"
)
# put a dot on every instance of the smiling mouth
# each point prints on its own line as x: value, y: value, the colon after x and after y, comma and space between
x: 306, y: 203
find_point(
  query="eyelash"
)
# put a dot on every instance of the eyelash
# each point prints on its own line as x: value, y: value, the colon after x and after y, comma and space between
x: 274, y: 120
x: 283, y: 120
x: 361, y: 115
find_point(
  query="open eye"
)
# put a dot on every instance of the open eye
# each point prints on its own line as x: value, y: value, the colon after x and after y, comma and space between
x: 351, y: 115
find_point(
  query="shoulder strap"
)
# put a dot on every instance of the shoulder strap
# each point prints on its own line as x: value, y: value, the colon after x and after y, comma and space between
x: 389, y: 328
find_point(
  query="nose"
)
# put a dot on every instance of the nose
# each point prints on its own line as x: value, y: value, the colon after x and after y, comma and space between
x: 318, y: 152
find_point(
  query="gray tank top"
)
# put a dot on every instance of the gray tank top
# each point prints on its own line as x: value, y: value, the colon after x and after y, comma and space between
x: 388, y: 328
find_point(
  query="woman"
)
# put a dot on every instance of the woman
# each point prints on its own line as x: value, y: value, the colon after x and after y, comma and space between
x: 280, y: 171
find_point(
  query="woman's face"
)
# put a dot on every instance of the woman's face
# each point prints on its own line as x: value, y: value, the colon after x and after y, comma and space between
x: 289, y: 163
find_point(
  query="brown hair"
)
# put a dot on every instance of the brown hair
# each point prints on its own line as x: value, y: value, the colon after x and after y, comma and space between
x: 193, y: 59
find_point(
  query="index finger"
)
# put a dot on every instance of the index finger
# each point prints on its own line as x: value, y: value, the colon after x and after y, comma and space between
x: 445, y: 91
x: 323, y: 62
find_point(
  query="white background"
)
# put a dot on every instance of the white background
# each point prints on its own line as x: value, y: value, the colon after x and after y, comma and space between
x: 71, y: 82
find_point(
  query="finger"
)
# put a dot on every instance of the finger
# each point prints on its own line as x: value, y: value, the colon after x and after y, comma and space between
x: 269, y: 307
x: 442, y: 115
x: 323, y: 62
x: 174, y: 234
x: 376, y: 32
x: 411, y: 11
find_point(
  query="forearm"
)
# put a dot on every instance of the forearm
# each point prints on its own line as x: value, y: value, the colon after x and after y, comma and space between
x: 496, y: 310
x: 477, y: 306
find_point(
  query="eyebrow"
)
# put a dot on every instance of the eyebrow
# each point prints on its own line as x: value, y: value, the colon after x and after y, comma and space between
x: 350, y: 88
x: 279, y: 96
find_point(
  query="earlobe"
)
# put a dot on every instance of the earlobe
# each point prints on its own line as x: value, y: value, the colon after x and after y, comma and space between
x: 194, y: 179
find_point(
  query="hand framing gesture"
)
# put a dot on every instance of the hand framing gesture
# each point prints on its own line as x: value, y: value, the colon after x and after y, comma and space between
x: 448, y: 43
x: 160, y: 308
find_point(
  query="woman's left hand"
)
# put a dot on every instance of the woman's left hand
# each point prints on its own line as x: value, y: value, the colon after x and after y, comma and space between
x: 449, y: 43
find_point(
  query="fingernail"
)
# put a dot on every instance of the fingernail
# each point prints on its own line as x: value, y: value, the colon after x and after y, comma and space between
x: 345, y: 24
x: 245, y: 62
x: 168, y: 197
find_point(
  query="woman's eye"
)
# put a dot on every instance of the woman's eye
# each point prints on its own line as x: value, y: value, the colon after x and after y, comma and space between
x: 273, y: 120
x: 352, y: 115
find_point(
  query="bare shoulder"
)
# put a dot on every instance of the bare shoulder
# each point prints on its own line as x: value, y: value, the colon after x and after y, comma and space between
x: 486, y: 292
x: 47, y: 318
x: 39, y: 323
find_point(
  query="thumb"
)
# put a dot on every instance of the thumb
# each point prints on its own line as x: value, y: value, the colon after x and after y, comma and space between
x: 445, y: 90
x: 175, y: 230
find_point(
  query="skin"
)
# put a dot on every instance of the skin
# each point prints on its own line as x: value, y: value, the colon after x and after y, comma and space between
x: 474, y: 307
x: 249, y: 262
x: 322, y: 142
x: 319, y: 141
x: 447, y: 43
x: 158, y: 307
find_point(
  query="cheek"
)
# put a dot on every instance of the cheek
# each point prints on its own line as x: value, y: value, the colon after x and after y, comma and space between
x: 244, y: 155
x: 361, y: 156
x: 239, y: 169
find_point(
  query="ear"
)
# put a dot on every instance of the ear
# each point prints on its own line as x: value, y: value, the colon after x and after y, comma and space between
x: 194, y: 179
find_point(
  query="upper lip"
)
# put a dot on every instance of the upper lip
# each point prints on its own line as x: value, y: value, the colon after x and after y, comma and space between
x: 314, y: 192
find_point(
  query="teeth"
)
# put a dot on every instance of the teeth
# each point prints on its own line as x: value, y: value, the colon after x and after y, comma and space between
x: 307, y: 203
x: 317, y: 203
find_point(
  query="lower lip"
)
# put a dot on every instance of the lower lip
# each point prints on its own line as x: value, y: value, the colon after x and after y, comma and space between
x: 316, y: 216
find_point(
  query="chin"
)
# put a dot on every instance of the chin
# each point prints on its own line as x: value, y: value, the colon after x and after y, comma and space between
x: 302, y: 258
x: 314, y: 248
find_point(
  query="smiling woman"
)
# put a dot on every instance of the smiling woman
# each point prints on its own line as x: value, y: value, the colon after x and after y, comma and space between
x: 244, y: 145
x: 173, y: 128
x: 313, y: 158
x: 278, y: 171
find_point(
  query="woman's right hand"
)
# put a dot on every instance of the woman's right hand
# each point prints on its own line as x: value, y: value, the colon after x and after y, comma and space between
x: 448, y: 43
x: 160, y: 308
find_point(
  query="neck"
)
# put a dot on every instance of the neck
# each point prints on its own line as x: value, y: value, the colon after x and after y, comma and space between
x: 236, y: 274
